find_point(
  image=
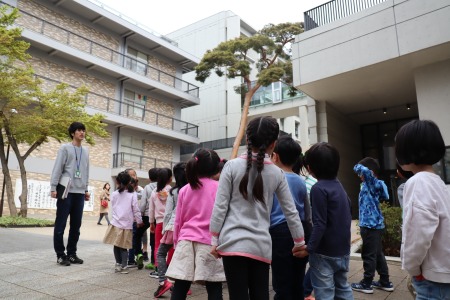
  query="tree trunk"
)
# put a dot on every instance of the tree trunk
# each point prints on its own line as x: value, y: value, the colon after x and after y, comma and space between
x: 24, y: 194
x: 7, y: 179
x: 243, y: 123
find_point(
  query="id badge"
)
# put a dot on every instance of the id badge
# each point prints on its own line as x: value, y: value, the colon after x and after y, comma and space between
x: 77, y: 174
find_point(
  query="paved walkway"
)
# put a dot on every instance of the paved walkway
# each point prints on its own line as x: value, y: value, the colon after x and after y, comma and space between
x: 28, y: 270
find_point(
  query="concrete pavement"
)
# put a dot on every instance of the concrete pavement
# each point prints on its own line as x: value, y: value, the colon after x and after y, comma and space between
x: 28, y: 270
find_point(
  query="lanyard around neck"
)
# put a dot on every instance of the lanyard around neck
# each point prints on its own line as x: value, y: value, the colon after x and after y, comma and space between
x: 78, y: 162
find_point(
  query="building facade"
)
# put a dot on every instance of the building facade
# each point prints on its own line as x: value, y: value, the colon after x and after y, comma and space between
x: 373, y: 66
x: 134, y: 79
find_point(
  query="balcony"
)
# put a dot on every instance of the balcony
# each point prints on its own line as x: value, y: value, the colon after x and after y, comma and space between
x: 277, y: 92
x: 138, y: 162
x: 134, y: 111
x: 75, y: 41
x: 335, y: 10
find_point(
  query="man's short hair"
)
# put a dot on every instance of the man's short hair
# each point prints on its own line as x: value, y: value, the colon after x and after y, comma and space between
x: 74, y: 127
x: 153, y: 174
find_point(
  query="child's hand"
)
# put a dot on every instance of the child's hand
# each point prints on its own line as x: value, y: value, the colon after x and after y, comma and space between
x: 152, y: 228
x: 139, y: 225
x: 214, y: 252
x: 300, y: 251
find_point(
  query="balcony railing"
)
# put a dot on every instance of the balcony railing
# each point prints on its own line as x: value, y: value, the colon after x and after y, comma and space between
x: 81, y: 43
x: 133, y: 111
x: 269, y: 95
x: 139, y: 162
x: 335, y: 10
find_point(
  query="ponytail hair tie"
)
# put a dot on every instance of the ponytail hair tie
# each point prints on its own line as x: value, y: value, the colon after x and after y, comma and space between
x: 196, y: 158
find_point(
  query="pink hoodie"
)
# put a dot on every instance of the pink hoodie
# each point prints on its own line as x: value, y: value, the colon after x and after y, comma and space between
x: 157, y: 205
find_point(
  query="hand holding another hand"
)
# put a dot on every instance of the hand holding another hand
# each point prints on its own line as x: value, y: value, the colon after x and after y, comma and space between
x: 300, y: 251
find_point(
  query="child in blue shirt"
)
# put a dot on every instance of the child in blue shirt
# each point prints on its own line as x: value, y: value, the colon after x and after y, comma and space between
x: 371, y: 224
x: 288, y: 272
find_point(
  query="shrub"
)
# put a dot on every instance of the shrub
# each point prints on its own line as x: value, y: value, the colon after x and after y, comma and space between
x: 392, y: 237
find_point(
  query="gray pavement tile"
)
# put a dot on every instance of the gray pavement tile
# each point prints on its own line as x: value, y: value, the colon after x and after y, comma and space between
x: 6, y: 270
x: 68, y: 289
x: 8, y: 289
x: 83, y: 274
x: 22, y: 275
x: 44, y: 282
x: 400, y: 295
x: 99, y: 294
x: 137, y: 287
x: 31, y: 295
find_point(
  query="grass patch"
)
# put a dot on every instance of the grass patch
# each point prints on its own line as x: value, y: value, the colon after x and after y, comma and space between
x: 25, y: 222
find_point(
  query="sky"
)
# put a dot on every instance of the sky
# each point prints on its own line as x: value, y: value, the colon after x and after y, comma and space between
x: 166, y: 16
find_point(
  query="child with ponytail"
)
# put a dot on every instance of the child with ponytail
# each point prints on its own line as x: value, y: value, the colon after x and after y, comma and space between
x: 241, y: 217
x: 192, y: 260
x: 125, y: 211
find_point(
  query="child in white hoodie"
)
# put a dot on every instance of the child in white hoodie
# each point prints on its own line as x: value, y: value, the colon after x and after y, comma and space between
x: 425, y: 248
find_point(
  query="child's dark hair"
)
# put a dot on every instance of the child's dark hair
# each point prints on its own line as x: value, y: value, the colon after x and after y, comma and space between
x: 222, y: 163
x: 419, y: 142
x: 179, y: 172
x: 323, y: 160
x: 288, y: 150
x: 74, y: 127
x: 153, y: 174
x: 104, y: 186
x: 164, y: 175
x: 123, y: 180
x: 203, y: 163
x: 371, y: 164
x: 261, y: 133
x: 403, y: 173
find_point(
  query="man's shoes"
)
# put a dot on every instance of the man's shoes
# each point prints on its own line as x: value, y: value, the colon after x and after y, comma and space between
x: 150, y: 266
x: 63, y: 261
x: 140, y: 261
x: 389, y: 287
x: 145, y: 254
x: 74, y: 259
x: 132, y: 264
x: 99, y: 223
x: 362, y: 287
x: 162, y: 289
x: 154, y: 274
x: 120, y: 269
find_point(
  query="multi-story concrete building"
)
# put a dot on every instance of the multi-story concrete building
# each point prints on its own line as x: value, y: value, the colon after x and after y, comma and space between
x: 373, y: 66
x: 219, y: 112
x: 134, y: 80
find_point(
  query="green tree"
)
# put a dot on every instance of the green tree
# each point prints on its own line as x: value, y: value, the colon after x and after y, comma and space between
x: 230, y: 58
x: 29, y: 116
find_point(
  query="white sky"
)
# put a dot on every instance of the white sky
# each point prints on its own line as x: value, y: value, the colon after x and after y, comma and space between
x: 165, y: 16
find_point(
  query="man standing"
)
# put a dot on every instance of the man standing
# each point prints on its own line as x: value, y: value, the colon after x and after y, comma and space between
x: 71, y: 162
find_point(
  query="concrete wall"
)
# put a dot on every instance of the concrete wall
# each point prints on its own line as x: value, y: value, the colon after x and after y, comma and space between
x: 383, y: 32
x: 433, y: 95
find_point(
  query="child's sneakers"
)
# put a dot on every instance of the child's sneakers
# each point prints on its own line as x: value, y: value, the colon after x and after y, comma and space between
x: 389, y: 287
x: 145, y: 254
x: 140, y: 261
x: 362, y: 287
x: 162, y: 288
x: 120, y: 269
x: 150, y: 266
x: 154, y: 274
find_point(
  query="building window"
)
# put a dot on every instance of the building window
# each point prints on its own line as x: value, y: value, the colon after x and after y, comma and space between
x: 132, y: 147
x: 136, y: 61
x: 134, y: 104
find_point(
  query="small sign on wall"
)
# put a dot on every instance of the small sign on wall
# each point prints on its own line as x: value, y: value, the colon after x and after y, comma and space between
x: 39, y: 195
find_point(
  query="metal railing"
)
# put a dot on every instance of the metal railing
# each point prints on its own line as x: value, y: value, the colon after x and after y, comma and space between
x: 133, y: 111
x: 86, y: 45
x: 139, y: 162
x: 335, y: 10
x: 215, y: 144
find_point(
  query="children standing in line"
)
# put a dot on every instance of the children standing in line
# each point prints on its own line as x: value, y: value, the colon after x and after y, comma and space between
x: 157, y: 207
x: 179, y: 172
x: 144, y: 208
x: 241, y: 217
x: 426, y: 222
x: 192, y: 261
x: 288, y: 272
x: 371, y: 223
x: 125, y: 211
x: 329, y: 244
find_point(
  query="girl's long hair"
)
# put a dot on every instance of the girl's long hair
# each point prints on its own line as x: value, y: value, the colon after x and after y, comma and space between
x: 123, y: 180
x: 203, y: 163
x: 179, y: 172
x: 164, y: 175
x: 261, y: 133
